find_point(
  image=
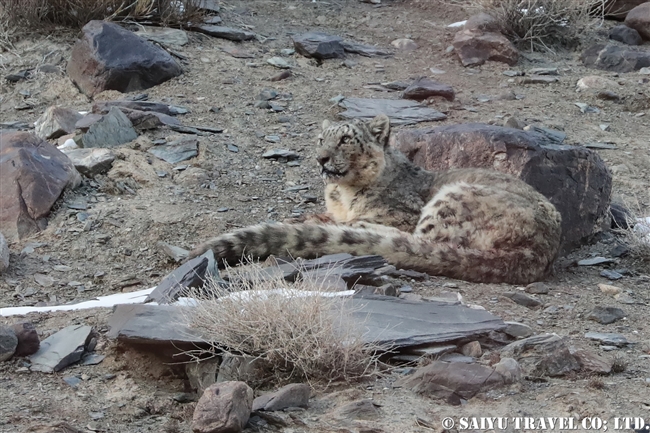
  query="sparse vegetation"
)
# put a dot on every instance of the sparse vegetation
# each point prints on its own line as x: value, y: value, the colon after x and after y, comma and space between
x: 543, y: 24
x: 296, y: 329
x: 33, y: 15
x: 636, y: 234
x: 619, y: 365
x: 596, y: 382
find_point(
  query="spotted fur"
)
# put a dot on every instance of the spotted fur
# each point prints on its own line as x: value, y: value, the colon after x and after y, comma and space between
x: 471, y: 224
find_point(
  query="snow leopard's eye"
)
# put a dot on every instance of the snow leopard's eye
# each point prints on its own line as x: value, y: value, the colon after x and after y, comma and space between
x: 345, y: 139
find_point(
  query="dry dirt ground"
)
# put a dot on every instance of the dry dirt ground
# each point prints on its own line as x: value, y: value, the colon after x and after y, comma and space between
x: 222, y: 190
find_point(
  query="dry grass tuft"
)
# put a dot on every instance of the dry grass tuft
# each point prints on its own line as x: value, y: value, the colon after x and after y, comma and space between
x: 636, y: 231
x: 37, y: 15
x: 299, y: 335
x: 619, y: 365
x: 596, y: 382
x: 544, y: 24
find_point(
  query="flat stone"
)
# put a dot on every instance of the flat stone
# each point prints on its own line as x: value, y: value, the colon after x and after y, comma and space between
x: 103, y: 107
x: 28, y: 340
x: 229, y: 33
x: 223, y: 408
x: 476, y: 47
x: 357, y: 410
x: 595, y: 261
x: 576, y: 180
x: 543, y: 71
x: 33, y: 175
x: 608, y: 338
x: 518, y: 330
x: 278, y: 62
x: 596, y: 82
x: 626, y: 35
x: 177, y: 150
x: 405, y: 45
x: 400, y: 112
x: 91, y: 162
x: 523, y: 299
x: 606, y: 315
x: 539, y: 79
x: 177, y: 254
x: 56, y: 122
x: 639, y: 19
x: 609, y: 290
x: 452, y: 381
x: 289, y: 155
x: 423, y: 88
x: 615, y: 58
x: 537, y: 288
x: 364, y: 50
x: 319, y: 45
x: 108, y: 57
x: 292, y: 395
x: 4, y: 254
x: 611, y: 275
x: 112, y: 130
x: 61, y: 349
x: 144, y: 120
x: 432, y: 350
x: 173, y: 38
x: 8, y: 343
x: 591, y: 361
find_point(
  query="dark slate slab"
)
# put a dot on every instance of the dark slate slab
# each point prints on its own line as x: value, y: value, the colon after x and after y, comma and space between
x: 189, y: 275
x: 224, y: 32
x: 61, y: 349
x: 176, y: 151
x: 400, y: 111
x: 401, y: 323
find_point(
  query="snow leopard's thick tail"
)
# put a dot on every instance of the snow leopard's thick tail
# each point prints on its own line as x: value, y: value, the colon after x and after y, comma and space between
x: 519, y: 265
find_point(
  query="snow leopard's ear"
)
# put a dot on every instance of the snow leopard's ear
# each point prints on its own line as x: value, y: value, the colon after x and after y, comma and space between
x: 380, y: 128
x: 326, y: 124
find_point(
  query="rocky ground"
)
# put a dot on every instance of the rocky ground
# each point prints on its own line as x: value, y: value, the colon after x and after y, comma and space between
x: 229, y: 185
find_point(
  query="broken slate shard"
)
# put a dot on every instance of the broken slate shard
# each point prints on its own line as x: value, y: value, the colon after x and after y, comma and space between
x: 61, y: 349
x: 111, y: 130
x: 176, y: 151
x: 400, y: 112
x: 401, y: 323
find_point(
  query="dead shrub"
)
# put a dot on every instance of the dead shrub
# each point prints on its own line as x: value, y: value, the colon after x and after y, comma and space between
x: 301, y: 331
x: 33, y: 15
x: 543, y: 24
x: 619, y: 365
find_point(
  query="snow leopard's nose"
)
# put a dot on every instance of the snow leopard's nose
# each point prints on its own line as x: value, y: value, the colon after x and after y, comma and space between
x: 322, y: 159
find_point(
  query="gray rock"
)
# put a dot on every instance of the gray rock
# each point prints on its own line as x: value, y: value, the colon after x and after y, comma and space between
x: 91, y: 162
x: 4, y: 254
x: 537, y: 288
x: 229, y: 33
x: 423, y: 88
x: 594, y: 261
x: 625, y: 35
x: 518, y: 330
x: 289, y: 155
x: 608, y: 338
x: 319, y: 45
x: 267, y: 95
x: 278, y: 62
x: 176, y: 151
x: 33, y: 175
x: 591, y: 361
x: 576, y: 180
x: 606, y: 315
x: 223, y: 408
x: 361, y: 409
x: 28, y: 340
x: 611, y: 275
x: 523, y: 299
x: 400, y: 112
x: 614, y: 58
x: 108, y: 57
x: 510, y: 369
x: 542, y: 355
x: 452, y: 381
x: 56, y: 122
x: 177, y: 254
x: 112, y: 130
x: 543, y: 71
x: 538, y: 79
x: 8, y: 343
x: 61, y: 349
x: 103, y: 107
x: 364, y: 50
x: 202, y: 373
x: 472, y: 349
x: 292, y: 395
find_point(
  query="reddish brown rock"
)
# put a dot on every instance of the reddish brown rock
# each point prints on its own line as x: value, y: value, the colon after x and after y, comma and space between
x: 223, y: 408
x: 453, y: 381
x: 33, y: 175
x: 573, y: 178
x: 56, y: 122
x: 618, y: 9
x: 28, y: 341
x: 475, y: 48
x: 424, y: 88
x: 639, y: 19
x: 108, y: 57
